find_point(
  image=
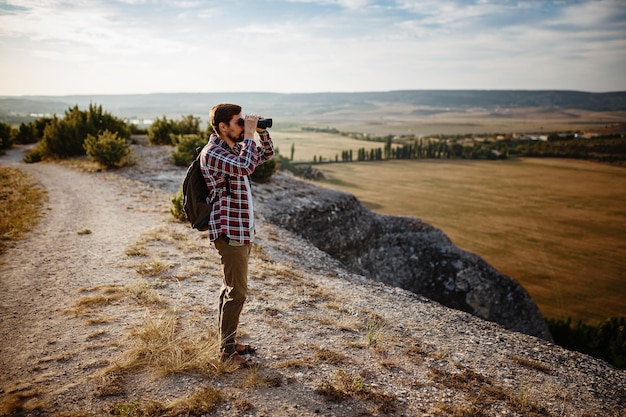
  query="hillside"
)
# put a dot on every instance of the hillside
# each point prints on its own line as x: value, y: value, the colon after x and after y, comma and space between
x: 77, y: 309
x: 318, y: 105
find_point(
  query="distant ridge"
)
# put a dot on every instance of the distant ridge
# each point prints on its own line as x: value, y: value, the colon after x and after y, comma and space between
x: 285, y: 104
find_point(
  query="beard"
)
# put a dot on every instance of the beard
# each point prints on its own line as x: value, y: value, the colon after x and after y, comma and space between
x: 237, y: 139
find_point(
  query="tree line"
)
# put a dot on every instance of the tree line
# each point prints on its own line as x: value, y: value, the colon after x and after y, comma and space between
x: 605, y: 148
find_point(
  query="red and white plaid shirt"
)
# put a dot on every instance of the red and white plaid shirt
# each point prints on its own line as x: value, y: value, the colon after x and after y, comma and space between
x: 219, y: 163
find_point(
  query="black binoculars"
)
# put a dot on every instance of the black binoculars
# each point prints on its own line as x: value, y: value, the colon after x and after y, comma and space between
x: 261, y: 124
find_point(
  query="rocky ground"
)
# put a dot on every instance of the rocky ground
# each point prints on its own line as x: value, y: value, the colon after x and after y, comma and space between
x: 108, y: 266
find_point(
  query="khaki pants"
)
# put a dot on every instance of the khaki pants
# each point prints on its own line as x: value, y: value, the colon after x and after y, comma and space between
x: 233, y: 291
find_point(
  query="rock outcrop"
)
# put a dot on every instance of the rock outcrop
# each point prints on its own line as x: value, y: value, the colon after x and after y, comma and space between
x: 401, y: 251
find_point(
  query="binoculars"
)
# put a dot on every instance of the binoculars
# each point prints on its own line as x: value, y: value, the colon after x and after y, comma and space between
x: 261, y: 124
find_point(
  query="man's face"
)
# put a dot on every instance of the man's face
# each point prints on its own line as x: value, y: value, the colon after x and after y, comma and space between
x: 233, y: 130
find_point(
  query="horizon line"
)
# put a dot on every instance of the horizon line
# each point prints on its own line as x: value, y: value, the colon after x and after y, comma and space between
x: 316, y: 92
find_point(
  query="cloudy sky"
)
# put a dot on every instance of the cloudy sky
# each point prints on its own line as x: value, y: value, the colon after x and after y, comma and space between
x: 58, y: 47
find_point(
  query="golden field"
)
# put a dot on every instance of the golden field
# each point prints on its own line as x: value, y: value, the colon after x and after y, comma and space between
x: 557, y: 226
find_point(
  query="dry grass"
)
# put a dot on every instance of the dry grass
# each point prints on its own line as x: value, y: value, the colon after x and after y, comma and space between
x: 201, y: 402
x: 111, y: 382
x: 330, y: 357
x: 532, y: 364
x: 164, y: 344
x: 21, y: 203
x: 138, y: 249
x: 344, y: 386
x: 375, y: 332
x: 138, y: 291
x: 167, y: 346
x: 152, y: 268
x: 20, y: 401
x: 142, y: 292
x: 484, y: 393
x: 557, y: 226
x: 87, y: 304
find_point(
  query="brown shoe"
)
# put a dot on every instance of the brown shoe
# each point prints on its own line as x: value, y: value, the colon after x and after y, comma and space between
x: 245, y: 349
x: 239, y: 361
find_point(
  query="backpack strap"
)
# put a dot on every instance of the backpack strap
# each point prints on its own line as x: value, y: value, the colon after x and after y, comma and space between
x: 199, y: 150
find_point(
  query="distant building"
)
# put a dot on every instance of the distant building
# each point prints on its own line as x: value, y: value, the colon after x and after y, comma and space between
x: 534, y: 137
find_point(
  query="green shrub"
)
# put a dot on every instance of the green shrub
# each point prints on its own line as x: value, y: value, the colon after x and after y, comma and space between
x: 159, y: 132
x: 164, y: 131
x: 264, y: 172
x: 64, y: 137
x: 107, y: 149
x: 186, y: 148
x: 33, y: 156
x: 7, y: 135
x: 27, y: 133
x: 187, y: 125
x: 177, y: 206
x: 606, y: 340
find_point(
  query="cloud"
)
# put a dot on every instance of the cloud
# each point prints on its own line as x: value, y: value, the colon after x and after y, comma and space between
x: 324, y: 45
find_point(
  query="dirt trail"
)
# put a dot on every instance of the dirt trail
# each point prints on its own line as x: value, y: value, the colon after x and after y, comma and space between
x: 41, y: 275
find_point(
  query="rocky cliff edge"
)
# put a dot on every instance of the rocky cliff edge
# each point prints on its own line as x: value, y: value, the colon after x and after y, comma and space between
x: 403, y: 252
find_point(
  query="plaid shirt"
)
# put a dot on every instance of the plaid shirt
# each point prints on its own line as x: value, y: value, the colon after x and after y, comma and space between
x: 231, y: 213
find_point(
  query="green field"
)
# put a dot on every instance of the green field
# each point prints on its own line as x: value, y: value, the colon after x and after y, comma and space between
x: 556, y: 226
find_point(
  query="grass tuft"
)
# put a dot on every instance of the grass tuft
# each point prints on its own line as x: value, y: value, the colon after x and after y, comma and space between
x: 21, y: 202
x: 532, y: 364
x: 152, y: 268
x: 344, y: 386
x: 167, y: 347
x: 330, y: 357
x: 20, y: 402
x: 202, y: 402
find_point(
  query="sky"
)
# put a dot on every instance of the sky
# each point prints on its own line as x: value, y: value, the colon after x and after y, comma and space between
x: 66, y: 47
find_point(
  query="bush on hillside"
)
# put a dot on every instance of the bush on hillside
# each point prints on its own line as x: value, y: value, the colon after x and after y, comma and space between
x: 264, y: 172
x: 606, y: 340
x: 186, y: 148
x: 108, y: 149
x: 159, y: 132
x: 64, y: 137
x: 27, y: 133
x: 164, y: 131
x: 177, y: 206
x: 32, y: 132
x: 7, y: 136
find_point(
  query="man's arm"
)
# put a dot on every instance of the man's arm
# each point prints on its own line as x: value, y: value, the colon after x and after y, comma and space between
x: 266, y: 150
x: 225, y: 163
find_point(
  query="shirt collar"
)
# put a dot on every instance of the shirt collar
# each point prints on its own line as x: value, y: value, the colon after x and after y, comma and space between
x: 216, y: 140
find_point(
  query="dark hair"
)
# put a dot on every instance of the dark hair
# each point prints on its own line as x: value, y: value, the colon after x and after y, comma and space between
x: 222, y: 113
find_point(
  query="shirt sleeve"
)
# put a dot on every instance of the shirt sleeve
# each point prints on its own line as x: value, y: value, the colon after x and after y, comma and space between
x: 225, y: 163
x: 266, y: 150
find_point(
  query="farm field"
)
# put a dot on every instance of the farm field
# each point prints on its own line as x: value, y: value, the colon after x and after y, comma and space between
x: 557, y: 226
x: 308, y: 144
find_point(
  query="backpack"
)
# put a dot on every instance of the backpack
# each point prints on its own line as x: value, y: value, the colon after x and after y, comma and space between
x: 196, y: 193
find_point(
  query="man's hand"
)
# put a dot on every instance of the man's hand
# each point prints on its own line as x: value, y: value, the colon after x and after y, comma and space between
x: 249, y: 125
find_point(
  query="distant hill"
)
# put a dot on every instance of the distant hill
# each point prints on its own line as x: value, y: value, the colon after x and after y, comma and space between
x: 174, y: 105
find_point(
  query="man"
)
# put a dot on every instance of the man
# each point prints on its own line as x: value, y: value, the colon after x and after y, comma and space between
x: 230, y: 157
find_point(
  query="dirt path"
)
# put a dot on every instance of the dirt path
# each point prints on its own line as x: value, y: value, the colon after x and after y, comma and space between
x: 40, y: 276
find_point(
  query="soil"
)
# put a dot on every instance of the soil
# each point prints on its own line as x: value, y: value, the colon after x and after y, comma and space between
x: 312, y: 321
x: 89, y: 221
